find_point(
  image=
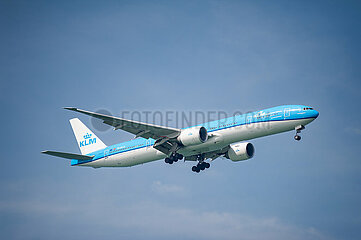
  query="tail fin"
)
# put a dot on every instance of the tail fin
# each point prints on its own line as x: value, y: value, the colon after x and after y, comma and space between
x: 87, y: 140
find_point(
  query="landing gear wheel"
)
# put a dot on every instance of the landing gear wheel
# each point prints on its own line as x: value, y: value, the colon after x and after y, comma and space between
x: 168, y: 160
x: 202, y: 165
x: 297, y: 138
x: 178, y: 156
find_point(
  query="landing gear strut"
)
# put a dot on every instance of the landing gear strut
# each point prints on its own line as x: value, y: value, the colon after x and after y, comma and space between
x: 298, y: 130
x: 174, y: 157
x: 201, y: 164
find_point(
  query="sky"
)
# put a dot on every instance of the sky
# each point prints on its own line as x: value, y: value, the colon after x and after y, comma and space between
x: 180, y: 56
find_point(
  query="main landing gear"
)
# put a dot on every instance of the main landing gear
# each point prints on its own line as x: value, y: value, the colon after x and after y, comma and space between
x: 201, y: 164
x: 173, y: 158
x: 298, y: 130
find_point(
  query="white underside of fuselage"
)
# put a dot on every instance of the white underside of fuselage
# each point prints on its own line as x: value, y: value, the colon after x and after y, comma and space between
x: 217, y: 140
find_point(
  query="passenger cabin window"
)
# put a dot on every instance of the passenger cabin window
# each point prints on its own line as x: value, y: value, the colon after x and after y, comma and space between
x: 307, y: 108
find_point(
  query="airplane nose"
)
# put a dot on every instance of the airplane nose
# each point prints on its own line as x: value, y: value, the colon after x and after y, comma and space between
x: 315, y: 114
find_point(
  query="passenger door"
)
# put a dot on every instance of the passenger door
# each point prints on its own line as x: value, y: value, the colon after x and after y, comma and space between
x: 249, y: 120
x: 148, y: 144
x: 106, y: 154
x: 287, y: 113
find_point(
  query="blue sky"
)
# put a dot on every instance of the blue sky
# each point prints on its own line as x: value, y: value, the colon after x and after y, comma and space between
x: 180, y: 56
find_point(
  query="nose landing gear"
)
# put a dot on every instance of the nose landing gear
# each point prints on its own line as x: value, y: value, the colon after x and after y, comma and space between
x: 297, y: 137
x: 298, y: 130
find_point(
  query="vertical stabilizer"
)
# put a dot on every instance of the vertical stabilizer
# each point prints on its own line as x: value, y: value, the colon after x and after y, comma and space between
x: 87, y: 141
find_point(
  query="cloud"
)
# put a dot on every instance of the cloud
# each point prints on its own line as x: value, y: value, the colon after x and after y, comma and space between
x: 159, y: 187
x: 353, y: 130
x: 152, y: 220
x: 193, y: 223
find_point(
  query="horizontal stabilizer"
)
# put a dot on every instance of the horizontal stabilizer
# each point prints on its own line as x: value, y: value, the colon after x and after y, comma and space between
x: 68, y: 155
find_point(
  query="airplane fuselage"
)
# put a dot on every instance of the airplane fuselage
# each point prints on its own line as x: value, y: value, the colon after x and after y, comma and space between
x: 221, y: 134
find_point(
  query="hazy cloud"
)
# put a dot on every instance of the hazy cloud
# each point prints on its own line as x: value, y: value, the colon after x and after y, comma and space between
x: 353, y: 130
x: 163, y: 188
x: 164, y: 222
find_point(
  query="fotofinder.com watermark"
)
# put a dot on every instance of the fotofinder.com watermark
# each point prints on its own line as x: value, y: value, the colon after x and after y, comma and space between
x: 181, y: 119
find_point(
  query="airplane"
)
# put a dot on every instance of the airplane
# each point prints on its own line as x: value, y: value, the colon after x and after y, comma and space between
x: 221, y: 138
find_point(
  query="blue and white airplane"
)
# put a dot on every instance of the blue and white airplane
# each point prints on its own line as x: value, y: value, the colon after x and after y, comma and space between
x: 205, y: 141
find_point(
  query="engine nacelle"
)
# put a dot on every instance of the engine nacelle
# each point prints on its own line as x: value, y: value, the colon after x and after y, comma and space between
x: 193, y: 136
x: 240, y: 151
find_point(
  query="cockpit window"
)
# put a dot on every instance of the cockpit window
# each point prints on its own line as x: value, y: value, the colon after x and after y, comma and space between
x: 307, y: 108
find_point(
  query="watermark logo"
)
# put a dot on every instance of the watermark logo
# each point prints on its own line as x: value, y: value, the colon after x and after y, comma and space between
x: 182, y: 119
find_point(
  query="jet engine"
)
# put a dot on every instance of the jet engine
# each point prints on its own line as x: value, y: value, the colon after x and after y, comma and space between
x: 193, y: 136
x: 240, y: 151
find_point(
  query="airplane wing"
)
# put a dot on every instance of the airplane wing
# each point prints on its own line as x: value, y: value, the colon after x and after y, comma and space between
x: 209, y: 155
x: 68, y: 155
x: 140, y: 129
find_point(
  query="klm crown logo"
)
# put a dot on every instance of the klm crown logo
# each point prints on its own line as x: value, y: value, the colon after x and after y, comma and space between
x: 87, y: 140
x: 87, y: 136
